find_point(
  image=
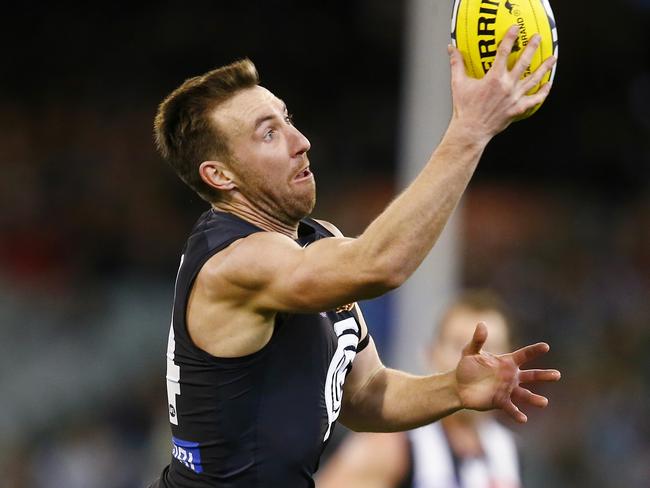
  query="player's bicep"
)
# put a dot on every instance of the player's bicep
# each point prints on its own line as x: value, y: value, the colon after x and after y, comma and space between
x: 269, y: 271
x: 333, y: 272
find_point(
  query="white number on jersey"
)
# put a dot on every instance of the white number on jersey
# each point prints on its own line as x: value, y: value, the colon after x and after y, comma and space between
x: 173, y: 369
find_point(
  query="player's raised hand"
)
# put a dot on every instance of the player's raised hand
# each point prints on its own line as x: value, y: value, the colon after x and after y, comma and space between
x: 489, y: 104
x: 486, y: 381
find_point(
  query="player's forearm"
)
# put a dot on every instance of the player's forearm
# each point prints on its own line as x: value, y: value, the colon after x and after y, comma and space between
x: 395, y: 401
x: 400, y: 237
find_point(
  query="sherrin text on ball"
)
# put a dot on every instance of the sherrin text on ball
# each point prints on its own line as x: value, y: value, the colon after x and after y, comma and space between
x: 478, y: 26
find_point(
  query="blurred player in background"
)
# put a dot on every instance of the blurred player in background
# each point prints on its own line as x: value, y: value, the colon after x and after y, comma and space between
x: 265, y: 326
x: 464, y: 450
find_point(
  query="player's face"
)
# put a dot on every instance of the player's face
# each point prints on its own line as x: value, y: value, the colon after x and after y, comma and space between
x: 458, y: 331
x: 271, y: 163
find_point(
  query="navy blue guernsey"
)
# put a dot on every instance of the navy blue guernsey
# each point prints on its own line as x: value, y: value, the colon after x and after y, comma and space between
x: 260, y: 420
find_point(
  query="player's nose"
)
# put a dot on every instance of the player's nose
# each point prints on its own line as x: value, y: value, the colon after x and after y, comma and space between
x: 300, y: 144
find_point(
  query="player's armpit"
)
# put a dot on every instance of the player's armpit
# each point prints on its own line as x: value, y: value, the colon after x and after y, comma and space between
x: 268, y: 271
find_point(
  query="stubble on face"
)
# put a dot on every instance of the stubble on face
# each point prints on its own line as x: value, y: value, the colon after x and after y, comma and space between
x: 273, y: 197
x: 266, y: 188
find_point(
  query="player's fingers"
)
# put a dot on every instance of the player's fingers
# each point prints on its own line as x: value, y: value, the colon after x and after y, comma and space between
x: 512, y: 410
x: 504, y: 50
x: 523, y: 395
x: 526, y: 57
x: 531, y: 81
x: 458, y: 70
x: 528, y: 353
x: 478, y: 340
x: 536, y: 98
x: 535, y: 375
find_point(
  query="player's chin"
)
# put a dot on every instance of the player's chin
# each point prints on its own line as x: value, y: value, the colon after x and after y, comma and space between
x: 304, y: 189
x: 304, y: 204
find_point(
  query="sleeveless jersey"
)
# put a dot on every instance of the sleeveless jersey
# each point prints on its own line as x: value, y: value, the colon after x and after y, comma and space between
x: 260, y: 420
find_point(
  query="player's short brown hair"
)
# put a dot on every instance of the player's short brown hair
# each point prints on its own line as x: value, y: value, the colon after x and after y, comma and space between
x: 186, y: 136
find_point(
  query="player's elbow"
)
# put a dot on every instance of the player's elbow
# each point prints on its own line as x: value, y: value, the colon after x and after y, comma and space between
x: 376, y: 270
x: 396, y: 278
x: 385, y: 270
x: 377, y: 282
x: 390, y: 275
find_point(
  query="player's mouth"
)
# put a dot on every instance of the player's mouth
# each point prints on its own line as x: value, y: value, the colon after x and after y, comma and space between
x: 305, y: 174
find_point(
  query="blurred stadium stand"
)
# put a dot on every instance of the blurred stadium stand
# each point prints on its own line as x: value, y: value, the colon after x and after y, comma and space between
x: 92, y: 223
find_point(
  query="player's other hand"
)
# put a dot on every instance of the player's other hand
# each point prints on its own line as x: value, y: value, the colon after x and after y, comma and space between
x: 486, y: 381
x: 488, y: 105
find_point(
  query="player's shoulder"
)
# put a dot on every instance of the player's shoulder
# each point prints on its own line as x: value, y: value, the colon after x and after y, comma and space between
x: 249, y: 259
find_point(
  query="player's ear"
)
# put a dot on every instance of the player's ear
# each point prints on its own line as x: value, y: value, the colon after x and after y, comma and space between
x: 217, y: 175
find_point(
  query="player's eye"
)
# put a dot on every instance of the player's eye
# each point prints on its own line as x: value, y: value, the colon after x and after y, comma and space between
x: 268, y: 135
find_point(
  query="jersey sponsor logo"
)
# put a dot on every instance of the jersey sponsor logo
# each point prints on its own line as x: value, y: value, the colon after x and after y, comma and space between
x: 347, y: 332
x: 187, y: 453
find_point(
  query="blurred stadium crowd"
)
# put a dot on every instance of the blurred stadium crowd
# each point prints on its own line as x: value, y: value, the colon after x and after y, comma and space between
x: 93, y: 223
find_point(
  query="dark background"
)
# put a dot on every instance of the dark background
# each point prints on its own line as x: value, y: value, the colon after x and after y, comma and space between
x: 556, y: 219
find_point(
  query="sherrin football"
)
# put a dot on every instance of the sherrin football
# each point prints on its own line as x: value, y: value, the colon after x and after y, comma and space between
x: 478, y: 26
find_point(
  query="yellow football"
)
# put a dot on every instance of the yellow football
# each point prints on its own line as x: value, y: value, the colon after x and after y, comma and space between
x: 477, y: 27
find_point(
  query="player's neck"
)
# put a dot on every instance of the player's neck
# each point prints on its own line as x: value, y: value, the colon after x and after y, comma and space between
x: 258, y: 218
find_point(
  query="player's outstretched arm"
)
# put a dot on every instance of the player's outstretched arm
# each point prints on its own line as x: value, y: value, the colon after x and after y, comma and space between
x: 379, y: 399
x: 269, y: 271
